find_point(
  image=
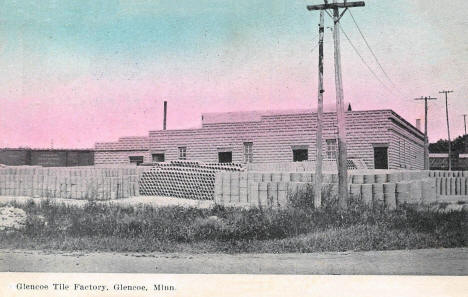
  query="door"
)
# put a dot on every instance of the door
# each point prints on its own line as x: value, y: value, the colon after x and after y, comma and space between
x: 381, y: 157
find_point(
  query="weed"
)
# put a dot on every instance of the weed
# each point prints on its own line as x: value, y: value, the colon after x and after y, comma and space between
x: 299, y: 228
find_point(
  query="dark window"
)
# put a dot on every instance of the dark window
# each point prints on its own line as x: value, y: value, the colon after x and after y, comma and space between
x: 158, y: 158
x: 300, y: 155
x: 225, y: 157
x: 380, y: 158
x: 136, y: 160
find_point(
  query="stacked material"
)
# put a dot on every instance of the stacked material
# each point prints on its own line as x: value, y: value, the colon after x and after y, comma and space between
x: 452, y: 186
x: 73, y: 183
x: 197, y: 164
x: 393, y: 187
x: 441, y: 173
x: 388, y: 188
x: 183, y: 179
x: 253, y: 189
x: 328, y: 165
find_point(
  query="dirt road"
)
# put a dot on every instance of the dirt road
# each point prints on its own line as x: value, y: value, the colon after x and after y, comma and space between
x: 407, y: 262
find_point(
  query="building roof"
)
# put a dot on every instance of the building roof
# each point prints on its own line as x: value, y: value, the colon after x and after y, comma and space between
x: 256, y: 115
x: 438, y: 155
x: 247, y: 116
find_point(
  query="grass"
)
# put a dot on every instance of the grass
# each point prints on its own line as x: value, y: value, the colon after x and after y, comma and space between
x: 299, y: 228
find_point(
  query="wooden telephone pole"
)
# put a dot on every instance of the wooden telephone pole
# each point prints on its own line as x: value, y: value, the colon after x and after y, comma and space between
x: 426, y: 142
x: 448, y: 130
x: 318, y: 164
x: 342, y: 155
x: 464, y: 120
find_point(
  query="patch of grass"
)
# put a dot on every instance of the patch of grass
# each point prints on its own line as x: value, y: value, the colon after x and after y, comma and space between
x: 299, y: 228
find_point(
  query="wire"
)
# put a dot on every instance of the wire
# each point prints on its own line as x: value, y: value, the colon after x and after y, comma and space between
x: 313, y: 49
x: 370, y: 49
x: 363, y: 61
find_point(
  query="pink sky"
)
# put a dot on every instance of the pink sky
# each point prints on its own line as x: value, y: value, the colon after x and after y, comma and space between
x: 108, y: 79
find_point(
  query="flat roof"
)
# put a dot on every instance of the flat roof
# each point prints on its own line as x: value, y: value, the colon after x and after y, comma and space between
x: 438, y: 155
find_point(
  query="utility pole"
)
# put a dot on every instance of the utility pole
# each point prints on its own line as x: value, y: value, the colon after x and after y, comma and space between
x: 342, y: 155
x: 448, y: 130
x: 426, y: 142
x: 318, y: 164
x: 464, y: 120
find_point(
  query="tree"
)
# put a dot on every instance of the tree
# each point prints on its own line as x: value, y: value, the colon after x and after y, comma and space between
x: 459, y: 145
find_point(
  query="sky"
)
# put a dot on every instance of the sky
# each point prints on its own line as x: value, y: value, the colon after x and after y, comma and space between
x: 78, y: 72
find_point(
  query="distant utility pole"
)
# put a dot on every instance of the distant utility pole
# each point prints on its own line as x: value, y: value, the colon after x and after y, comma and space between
x: 448, y: 130
x: 318, y: 162
x: 464, y: 120
x: 426, y: 142
x: 342, y: 156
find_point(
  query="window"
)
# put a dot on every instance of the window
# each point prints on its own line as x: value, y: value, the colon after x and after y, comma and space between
x: 300, y: 155
x: 331, y: 149
x: 182, y: 153
x: 157, y: 158
x: 136, y: 160
x: 225, y: 157
x: 248, y: 152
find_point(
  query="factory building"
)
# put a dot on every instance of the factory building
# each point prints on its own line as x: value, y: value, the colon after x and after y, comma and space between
x: 381, y: 138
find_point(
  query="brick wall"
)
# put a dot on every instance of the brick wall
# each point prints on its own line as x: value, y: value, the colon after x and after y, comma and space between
x: 120, y: 152
x: 120, y: 157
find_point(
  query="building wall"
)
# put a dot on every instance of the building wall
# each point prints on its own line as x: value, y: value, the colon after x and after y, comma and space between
x: 120, y: 152
x: 47, y: 157
x: 274, y: 136
x: 120, y: 157
x: 407, y: 148
x: 15, y: 157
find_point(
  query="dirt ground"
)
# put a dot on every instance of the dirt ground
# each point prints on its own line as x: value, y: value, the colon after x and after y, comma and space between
x: 405, y: 262
x: 154, y: 201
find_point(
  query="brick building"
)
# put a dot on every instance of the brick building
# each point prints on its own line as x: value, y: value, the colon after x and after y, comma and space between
x: 381, y: 138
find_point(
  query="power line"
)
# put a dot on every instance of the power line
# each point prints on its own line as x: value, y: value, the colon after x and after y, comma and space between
x: 313, y: 49
x: 370, y: 49
x: 364, y: 62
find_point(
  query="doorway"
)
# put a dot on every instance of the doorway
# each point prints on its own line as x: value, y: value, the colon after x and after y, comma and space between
x: 380, y: 157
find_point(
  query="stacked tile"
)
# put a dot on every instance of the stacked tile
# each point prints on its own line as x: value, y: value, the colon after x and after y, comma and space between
x: 181, y: 182
x: 75, y: 183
